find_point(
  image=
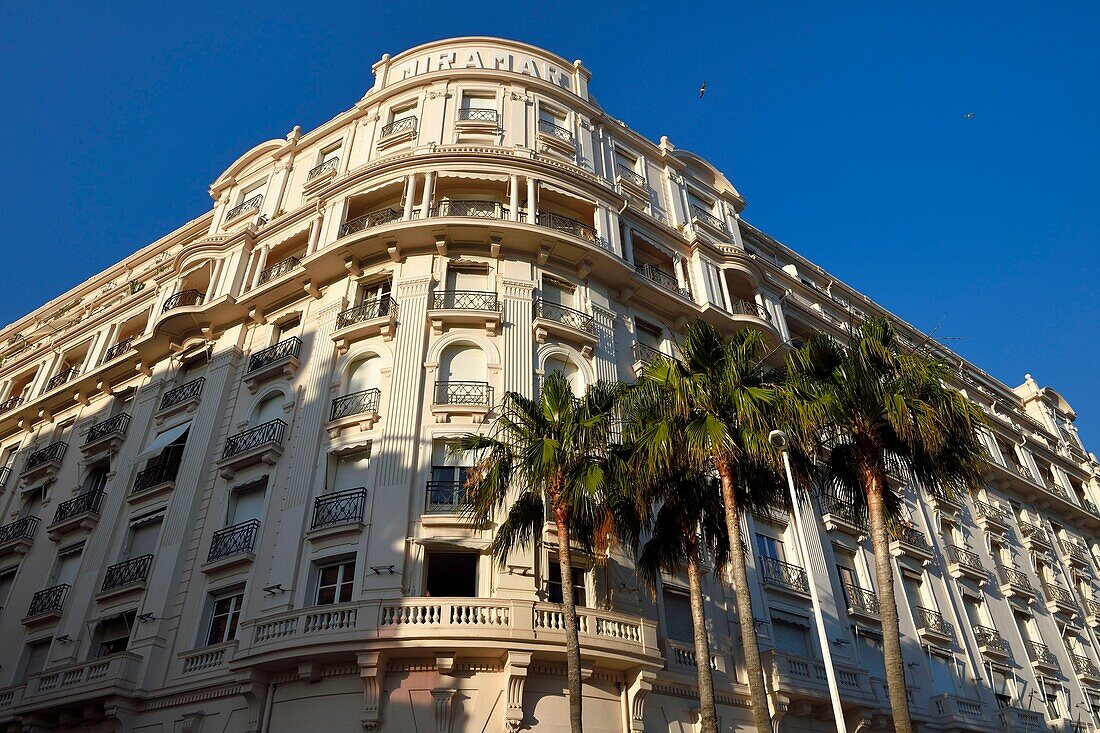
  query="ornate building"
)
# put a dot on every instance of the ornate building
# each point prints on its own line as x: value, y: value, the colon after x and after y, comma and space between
x: 228, y: 503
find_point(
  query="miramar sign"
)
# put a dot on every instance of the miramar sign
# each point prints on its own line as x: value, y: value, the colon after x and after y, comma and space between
x: 481, y: 58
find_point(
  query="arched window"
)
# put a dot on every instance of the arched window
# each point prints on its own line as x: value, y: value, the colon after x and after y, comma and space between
x: 571, y: 371
x: 364, y: 374
x: 269, y: 408
x: 462, y: 363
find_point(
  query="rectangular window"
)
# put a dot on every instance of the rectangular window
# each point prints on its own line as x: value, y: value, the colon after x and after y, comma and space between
x: 558, y: 292
x: 553, y: 584
x: 113, y: 634
x: 473, y: 100
x: 374, y: 292
x: 34, y: 658
x: 1002, y: 684
x: 7, y: 580
x: 252, y: 191
x: 142, y: 538
x: 678, y: 623
x: 332, y: 152
x: 551, y: 116
x: 450, y: 574
x: 67, y: 566
x: 769, y: 547
x: 246, y: 502
x: 648, y: 335
x: 943, y: 680
x: 791, y: 637
x: 467, y: 278
x: 334, y: 583
x: 225, y: 613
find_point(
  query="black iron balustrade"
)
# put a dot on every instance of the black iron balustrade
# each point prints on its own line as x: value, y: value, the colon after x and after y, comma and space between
x: 10, y: 404
x: 60, y: 378
x: 48, y: 600
x: 862, y: 599
x: 1033, y: 531
x: 843, y: 508
x: 4, y: 473
x: 471, y: 208
x: 404, y: 124
x: 1090, y: 506
x: 270, y: 432
x: 117, y: 425
x: 557, y: 131
x: 182, y: 299
x: 369, y: 220
x: 445, y: 497
x: 356, y: 403
x: 52, y: 452
x: 1056, y: 489
x: 20, y: 529
x: 246, y: 205
x: 1015, y: 577
x: 910, y: 536
x: 342, y: 507
x: 1023, y: 471
x: 87, y: 503
x: 965, y: 557
x: 118, y: 350
x: 1057, y: 594
x: 1041, y: 653
x: 934, y: 621
x: 128, y: 572
x: 784, y: 574
x: 463, y: 393
x: 749, y: 308
x: 279, y: 269
x: 645, y: 354
x: 698, y: 212
x: 291, y: 347
x: 662, y: 279
x: 182, y: 393
x: 985, y: 510
x: 1074, y: 550
x: 1093, y: 607
x: 1084, y: 666
x: 234, y: 540
x: 564, y: 315
x: 470, y: 300
x: 329, y: 165
x: 156, y: 475
x: 990, y: 638
x: 369, y: 310
x: 476, y: 114
x: 565, y: 224
x: 630, y: 175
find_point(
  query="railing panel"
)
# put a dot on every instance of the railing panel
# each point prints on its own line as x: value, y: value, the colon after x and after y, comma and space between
x: 48, y: 600
x: 784, y: 574
x: 475, y: 114
x: 279, y: 269
x: 698, y: 212
x: 342, y: 507
x: 630, y: 175
x: 661, y: 278
x: 369, y: 220
x: 20, y: 529
x: 182, y: 393
x: 10, y: 404
x: 557, y: 131
x: 405, y: 124
x: 261, y: 435
x: 862, y: 599
x: 127, y: 572
x: 291, y: 347
x: 52, y: 452
x: 934, y: 621
x: 565, y: 224
x: 60, y: 378
x: 1040, y: 653
x: 445, y: 497
x: 356, y: 403
x: 246, y: 205
x: 87, y: 503
x: 236, y: 539
x: 155, y: 475
x: 369, y: 310
x: 329, y: 165
x: 476, y: 300
x: 991, y: 638
x: 117, y: 425
x: 463, y: 393
x: 182, y: 299
x: 564, y: 315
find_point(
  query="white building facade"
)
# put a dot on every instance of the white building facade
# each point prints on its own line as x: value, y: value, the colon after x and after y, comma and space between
x: 228, y: 503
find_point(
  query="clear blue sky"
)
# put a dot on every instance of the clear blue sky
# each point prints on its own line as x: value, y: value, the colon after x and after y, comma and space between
x: 843, y: 128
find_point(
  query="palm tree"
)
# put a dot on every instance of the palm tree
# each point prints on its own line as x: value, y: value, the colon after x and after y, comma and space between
x: 718, y: 395
x: 547, y: 459
x: 877, y: 407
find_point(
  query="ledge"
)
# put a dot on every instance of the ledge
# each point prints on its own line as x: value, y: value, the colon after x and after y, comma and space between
x: 83, y: 522
x: 543, y: 327
x: 490, y: 319
x: 284, y: 367
x: 385, y: 325
x: 444, y: 413
x: 222, y: 564
x: 268, y: 453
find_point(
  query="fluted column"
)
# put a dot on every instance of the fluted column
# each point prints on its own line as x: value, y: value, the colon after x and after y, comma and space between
x: 604, y: 355
x: 519, y: 355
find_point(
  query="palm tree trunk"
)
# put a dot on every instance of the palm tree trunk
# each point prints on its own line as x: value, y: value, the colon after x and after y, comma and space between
x: 758, y: 691
x: 708, y: 722
x: 873, y: 484
x: 569, y: 611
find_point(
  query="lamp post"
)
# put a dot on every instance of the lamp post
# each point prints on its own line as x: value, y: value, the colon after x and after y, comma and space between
x: 778, y: 440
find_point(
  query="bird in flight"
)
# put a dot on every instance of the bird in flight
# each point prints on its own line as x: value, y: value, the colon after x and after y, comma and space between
x: 702, y: 90
x: 969, y: 116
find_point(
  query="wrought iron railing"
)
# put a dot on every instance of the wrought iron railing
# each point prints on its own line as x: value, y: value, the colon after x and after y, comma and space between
x: 476, y: 114
x: 698, y: 212
x: 1032, y: 531
x: 1074, y: 550
x: 329, y: 165
x: 560, y: 223
x: 861, y: 599
x: 1013, y: 576
x: 645, y: 354
x: 233, y: 540
x: 128, y: 572
x: 463, y: 393
x: 934, y: 621
x: 445, y: 497
x: 1038, y: 652
x: 342, y: 507
x: 261, y: 435
x: 155, y: 475
x: 182, y: 299
x: 117, y: 425
x: 355, y: 403
x: 10, y: 404
x: 564, y: 315
x: 48, y: 600
x: 784, y: 574
x: 401, y: 125
x: 910, y: 536
x: 1084, y: 666
x: 473, y: 300
x: 557, y: 131
x: 662, y: 279
x: 1092, y: 607
x: 749, y: 308
x: 369, y: 220
x: 291, y: 347
x: 60, y: 378
x: 182, y: 393
x: 994, y: 513
x: 246, y: 205
x: 87, y: 503
x: 990, y: 638
x: 118, y: 350
x: 629, y: 175
x: 843, y: 508
x: 20, y: 529
x: 1023, y: 471
x: 369, y: 310
x: 1057, y: 594
x: 965, y: 557
x: 1090, y: 506
x: 471, y: 208
x: 52, y: 452
x: 279, y: 269
x: 5, y: 472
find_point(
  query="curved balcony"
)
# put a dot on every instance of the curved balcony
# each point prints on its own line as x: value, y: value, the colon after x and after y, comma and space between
x: 369, y: 221
x: 183, y: 299
x: 461, y: 397
x: 245, y: 208
x: 465, y: 308
x: 468, y: 208
x: 16, y: 537
x: 61, y: 378
x: 399, y: 131
x: 371, y: 318
x: 322, y: 172
x: 662, y: 279
x: 356, y: 408
x: 277, y: 270
x: 556, y: 137
x: 117, y: 350
x: 80, y: 513
x: 801, y: 679
x: 74, y: 691
x: 275, y: 362
x: 570, y: 226
x: 126, y: 575
x: 261, y: 444
x: 568, y: 324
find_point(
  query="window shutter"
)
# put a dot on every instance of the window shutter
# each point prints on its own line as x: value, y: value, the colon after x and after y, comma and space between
x: 790, y: 638
x: 678, y: 623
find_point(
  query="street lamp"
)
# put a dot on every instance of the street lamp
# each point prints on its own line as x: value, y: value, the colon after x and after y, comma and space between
x: 778, y: 440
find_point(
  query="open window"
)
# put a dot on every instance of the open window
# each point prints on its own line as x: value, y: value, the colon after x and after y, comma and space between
x: 553, y: 583
x: 223, y: 615
x: 450, y: 573
x: 112, y: 634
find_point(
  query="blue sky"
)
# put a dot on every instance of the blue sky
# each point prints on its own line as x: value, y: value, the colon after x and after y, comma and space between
x: 843, y: 128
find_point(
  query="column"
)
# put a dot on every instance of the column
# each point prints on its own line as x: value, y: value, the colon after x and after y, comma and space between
x: 532, y: 201
x: 410, y: 192
x: 681, y: 277
x: 628, y: 244
x: 261, y: 263
x: 603, y: 357
x: 426, y: 196
x: 726, y: 290
x: 513, y: 197
x: 519, y: 351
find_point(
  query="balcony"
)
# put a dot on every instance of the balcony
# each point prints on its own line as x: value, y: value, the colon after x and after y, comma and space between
x: 154, y: 479
x: 324, y: 171
x: 371, y: 318
x: 80, y: 513
x: 962, y: 563
x: 1092, y: 612
x: 126, y: 576
x: 232, y: 545
x: 631, y: 183
x: 565, y: 323
x: 358, y: 407
x: 933, y: 627
x: 1077, y: 555
x: 471, y: 209
x: 991, y: 643
x: 369, y: 221
x: 47, y: 604
x: 1035, y: 537
x: 16, y: 537
x: 463, y: 398
x: 784, y: 576
x: 841, y: 515
x: 84, y: 688
x: 645, y: 355
x: 465, y: 308
x: 183, y: 299
x: 949, y: 504
x: 60, y: 378
x: 956, y: 713
x: 750, y: 308
x: 1014, y: 582
x: 117, y: 350
x: 399, y: 131
x: 1018, y: 720
x: 1059, y: 599
x: 708, y: 220
x: 805, y: 680
x: 342, y: 510
x: 862, y: 602
x: 5, y: 472
x: 567, y: 225
x: 445, y: 497
x: 1041, y: 655
x: 182, y: 398
x: 990, y: 517
x: 10, y: 404
x: 276, y: 271
x: 683, y: 655
x: 1085, y: 668
x: 556, y: 137
x: 662, y: 280
x: 261, y: 444
x: 275, y: 362
x: 911, y: 542
x: 106, y: 435
x: 44, y: 462
x: 246, y: 207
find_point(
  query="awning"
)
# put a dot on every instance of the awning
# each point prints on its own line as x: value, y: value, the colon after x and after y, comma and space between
x: 570, y: 194
x: 163, y: 440
x: 472, y: 175
x: 790, y: 617
x: 463, y: 542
